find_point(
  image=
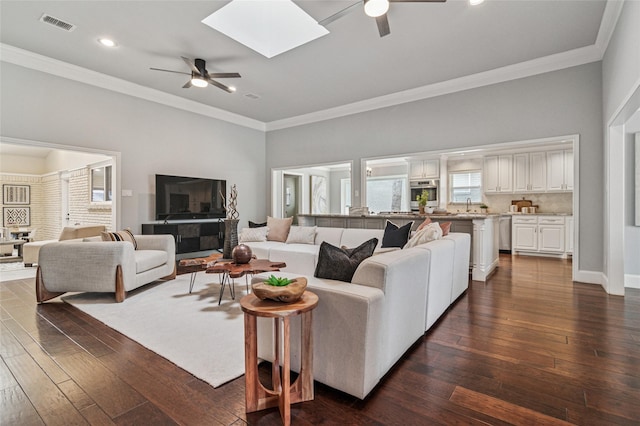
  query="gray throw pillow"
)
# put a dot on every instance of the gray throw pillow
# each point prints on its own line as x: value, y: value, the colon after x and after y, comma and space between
x: 340, y: 264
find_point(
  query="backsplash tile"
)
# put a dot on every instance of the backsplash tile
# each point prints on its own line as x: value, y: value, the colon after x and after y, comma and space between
x: 547, y: 203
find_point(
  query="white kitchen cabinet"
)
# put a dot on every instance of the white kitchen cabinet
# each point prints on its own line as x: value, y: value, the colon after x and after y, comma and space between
x: 424, y: 169
x: 539, y: 235
x: 560, y: 170
x: 529, y: 172
x: 498, y: 173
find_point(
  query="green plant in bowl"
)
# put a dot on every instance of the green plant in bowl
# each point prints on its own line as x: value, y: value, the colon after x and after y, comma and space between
x: 278, y: 281
x: 423, y: 198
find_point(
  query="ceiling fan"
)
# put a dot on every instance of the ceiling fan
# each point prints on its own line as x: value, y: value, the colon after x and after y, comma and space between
x: 376, y: 9
x: 200, y: 77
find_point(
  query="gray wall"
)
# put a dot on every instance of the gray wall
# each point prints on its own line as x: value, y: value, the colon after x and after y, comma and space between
x: 552, y: 104
x: 152, y: 138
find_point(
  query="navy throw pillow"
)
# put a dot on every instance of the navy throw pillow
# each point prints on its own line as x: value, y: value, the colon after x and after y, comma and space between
x: 340, y: 264
x: 395, y: 236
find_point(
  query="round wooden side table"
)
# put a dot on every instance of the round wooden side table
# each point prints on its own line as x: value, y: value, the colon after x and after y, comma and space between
x: 284, y: 393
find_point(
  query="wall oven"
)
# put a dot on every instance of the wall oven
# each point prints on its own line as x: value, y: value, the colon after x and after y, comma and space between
x: 429, y: 185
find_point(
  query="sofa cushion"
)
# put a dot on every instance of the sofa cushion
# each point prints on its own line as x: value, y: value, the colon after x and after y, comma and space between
x: 340, y: 264
x: 149, y: 259
x: 124, y: 235
x: 395, y: 236
x: 261, y: 249
x: 300, y: 258
x: 80, y: 231
x: 256, y: 234
x: 302, y: 235
x: 332, y: 236
x: 352, y: 237
x: 278, y: 228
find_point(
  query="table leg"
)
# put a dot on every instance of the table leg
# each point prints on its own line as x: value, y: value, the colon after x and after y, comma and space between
x: 192, y: 281
x: 302, y: 389
x: 256, y: 396
x: 285, y: 394
x: 225, y: 280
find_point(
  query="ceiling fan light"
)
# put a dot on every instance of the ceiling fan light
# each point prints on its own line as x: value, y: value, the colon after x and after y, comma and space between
x: 475, y: 2
x: 199, y: 82
x: 375, y: 8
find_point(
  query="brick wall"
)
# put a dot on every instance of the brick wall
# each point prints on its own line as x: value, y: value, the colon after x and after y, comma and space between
x: 46, y: 202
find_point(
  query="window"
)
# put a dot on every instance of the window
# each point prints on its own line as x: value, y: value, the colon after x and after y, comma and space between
x: 466, y: 185
x: 345, y: 195
x: 101, y: 184
x: 387, y: 194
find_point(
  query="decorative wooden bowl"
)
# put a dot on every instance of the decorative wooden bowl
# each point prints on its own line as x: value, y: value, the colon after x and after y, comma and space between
x: 287, y: 294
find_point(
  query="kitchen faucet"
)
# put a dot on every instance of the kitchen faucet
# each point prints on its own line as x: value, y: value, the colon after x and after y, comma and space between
x: 468, y: 205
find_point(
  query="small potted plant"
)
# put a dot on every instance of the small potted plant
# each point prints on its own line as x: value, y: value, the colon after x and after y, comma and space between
x: 484, y: 208
x: 280, y: 289
x: 422, y: 201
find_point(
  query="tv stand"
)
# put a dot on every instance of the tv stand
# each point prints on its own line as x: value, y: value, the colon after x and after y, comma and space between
x: 190, y: 236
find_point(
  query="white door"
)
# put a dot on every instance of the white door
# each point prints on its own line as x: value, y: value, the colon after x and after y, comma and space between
x: 555, y: 170
x: 491, y: 174
x: 505, y: 173
x: 64, y: 202
x: 568, y: 170
x: 521, y: 172
x: 537, y: 172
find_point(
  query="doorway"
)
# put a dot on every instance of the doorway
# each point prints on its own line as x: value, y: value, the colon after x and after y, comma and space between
x: 292, y: 196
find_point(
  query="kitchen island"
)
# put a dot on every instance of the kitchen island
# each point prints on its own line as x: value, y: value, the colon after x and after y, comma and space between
x: 483, y: 229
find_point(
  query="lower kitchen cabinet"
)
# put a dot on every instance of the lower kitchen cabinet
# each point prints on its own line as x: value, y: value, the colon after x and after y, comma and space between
x: 541, y: 235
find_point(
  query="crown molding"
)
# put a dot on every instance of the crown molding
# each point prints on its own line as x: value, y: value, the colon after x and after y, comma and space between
x: 28, y: 59
x: 542, y: 65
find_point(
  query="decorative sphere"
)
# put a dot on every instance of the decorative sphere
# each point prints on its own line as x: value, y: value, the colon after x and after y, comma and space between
x: 241, y: 253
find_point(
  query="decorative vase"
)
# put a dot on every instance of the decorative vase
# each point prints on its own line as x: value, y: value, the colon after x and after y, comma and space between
x: 230, y: 237
x: 241, y: 253
x: 289, y: 293
x: 421, y: 209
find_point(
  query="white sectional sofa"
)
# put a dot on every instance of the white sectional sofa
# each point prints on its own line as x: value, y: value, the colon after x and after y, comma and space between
x: 104, y: 266
x: 362, y: 328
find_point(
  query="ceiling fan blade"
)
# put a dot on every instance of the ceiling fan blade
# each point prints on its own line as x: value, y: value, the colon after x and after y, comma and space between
x: 417, y: 1
x: 187, y: 84
x: 383, y: 25
x: 191, y: 65
x: 177, y: 72
x: 220, y: 85
x: 339, y: 14
x: 223, y: 75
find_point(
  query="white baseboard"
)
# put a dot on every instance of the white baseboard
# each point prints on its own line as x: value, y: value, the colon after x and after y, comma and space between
x: 590, y: 277
x: 632, y: 281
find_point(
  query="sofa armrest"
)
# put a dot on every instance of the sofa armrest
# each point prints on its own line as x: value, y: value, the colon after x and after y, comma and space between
x: 162, y: 242
x: 83, y: 266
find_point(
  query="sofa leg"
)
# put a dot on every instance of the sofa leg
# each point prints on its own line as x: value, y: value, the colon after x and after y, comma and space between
x: 120, y: 293
x: 42, y: 294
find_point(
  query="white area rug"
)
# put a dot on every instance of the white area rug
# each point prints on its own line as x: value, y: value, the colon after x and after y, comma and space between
x: 16, y: 271
x: 190, y: 330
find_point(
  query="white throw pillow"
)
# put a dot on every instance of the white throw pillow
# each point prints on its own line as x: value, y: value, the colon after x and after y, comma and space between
x: 248, y: 235
x: 302, y: 235
x: 431, y: 232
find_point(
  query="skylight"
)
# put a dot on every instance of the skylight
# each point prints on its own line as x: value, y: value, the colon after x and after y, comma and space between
x: 270, y: 27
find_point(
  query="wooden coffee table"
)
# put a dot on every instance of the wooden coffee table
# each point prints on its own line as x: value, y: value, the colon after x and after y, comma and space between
x: 231, y: 270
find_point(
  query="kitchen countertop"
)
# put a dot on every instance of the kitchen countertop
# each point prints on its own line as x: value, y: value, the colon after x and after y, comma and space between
x: 535, y: 214
x: 451, y: 216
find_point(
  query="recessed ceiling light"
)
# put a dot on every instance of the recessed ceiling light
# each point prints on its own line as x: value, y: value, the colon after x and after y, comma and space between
x: 107, y: 42
x: 475, y: 2
x: 232, y: 88
x: 270, y: 27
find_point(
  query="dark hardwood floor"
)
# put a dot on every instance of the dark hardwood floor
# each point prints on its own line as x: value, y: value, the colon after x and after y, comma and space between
x: 526, y: 347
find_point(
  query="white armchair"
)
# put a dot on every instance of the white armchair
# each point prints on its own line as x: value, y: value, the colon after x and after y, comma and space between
x: 104, y: 266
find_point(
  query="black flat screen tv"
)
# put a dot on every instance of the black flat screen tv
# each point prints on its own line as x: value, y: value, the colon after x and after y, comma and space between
x: 181, y: 197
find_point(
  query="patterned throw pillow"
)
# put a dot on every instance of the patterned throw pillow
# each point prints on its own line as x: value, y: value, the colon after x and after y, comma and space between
x: 395, y: 236
x: 340, y: 264
x: 302, y: 235
x: 124, y: 235
x: 248, y: 235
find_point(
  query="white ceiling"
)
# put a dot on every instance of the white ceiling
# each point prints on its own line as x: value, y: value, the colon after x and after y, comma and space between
x: 430, y: 44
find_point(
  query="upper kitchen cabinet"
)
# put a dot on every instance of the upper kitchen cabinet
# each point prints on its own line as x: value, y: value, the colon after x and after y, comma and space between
x: 529, y: 172
x: 560, y: 170
x: 498, y: 173
x: 424, y: 169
